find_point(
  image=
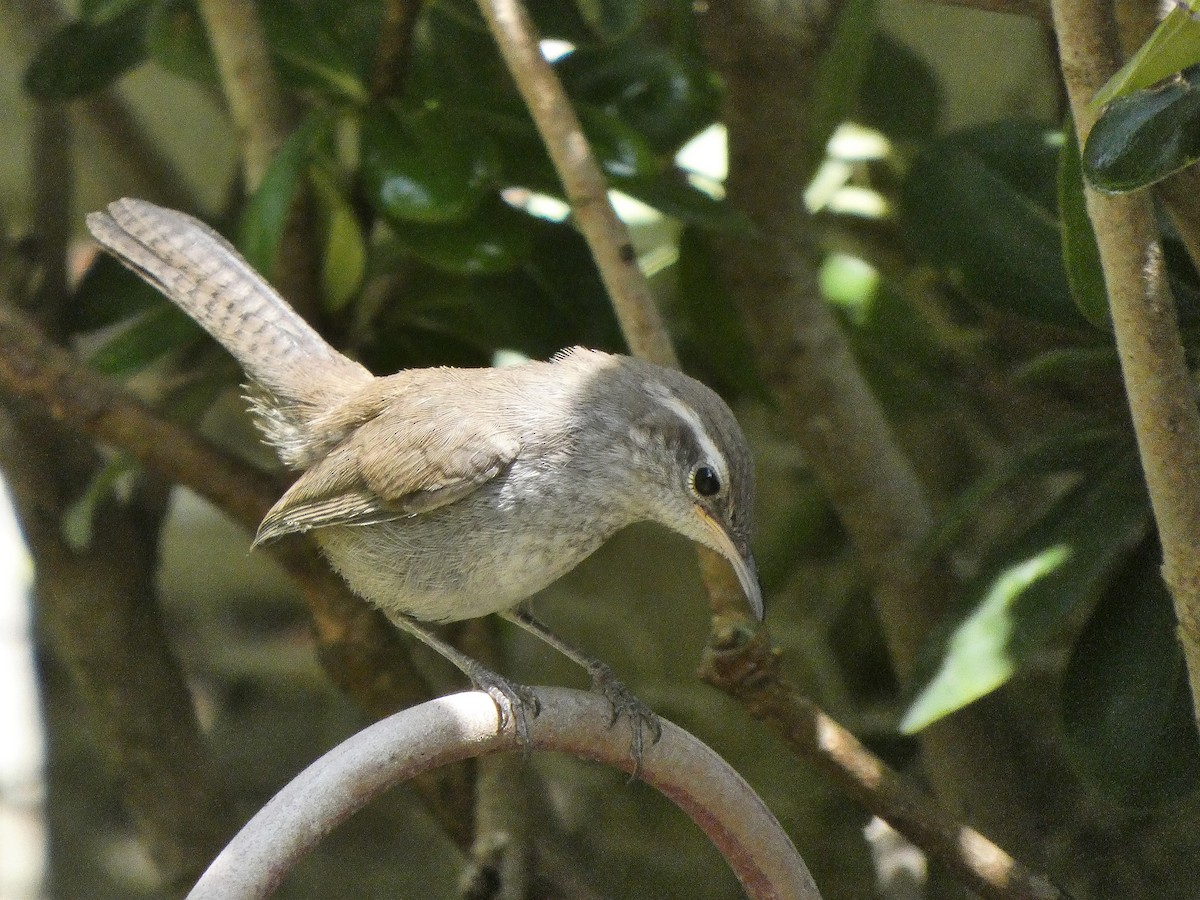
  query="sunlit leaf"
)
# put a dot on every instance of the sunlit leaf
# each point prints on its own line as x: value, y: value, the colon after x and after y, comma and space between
x: 344, y: 260
x: 1064, y: 560
x: 1172, y: 47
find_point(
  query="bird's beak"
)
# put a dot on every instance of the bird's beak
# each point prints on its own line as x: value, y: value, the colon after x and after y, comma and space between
x: 739, y: 556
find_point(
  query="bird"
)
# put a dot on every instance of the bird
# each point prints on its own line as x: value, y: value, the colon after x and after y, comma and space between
x: 444, y: 494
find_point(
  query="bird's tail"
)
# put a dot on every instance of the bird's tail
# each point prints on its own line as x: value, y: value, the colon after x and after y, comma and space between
x: 203, y: 274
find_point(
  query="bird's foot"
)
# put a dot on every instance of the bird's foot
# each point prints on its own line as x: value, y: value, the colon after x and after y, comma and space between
x: 642, y: 718
x: 516, y: 703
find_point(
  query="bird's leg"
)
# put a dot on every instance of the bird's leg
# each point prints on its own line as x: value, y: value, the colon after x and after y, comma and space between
x: 604, y: 682
x: 515, y: 702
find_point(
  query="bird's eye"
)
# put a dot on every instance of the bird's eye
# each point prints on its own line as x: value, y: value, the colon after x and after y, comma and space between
x: 705, y: 481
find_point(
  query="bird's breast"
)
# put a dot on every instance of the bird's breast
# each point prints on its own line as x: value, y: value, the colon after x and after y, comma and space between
x: 483, y: 554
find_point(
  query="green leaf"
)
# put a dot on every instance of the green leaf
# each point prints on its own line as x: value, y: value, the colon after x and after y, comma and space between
x: 109, y: 293
x: 665, y: 98
x: 671, y: 193
x: 310, y: 51
x: 177, y: 40
x: 426, y: 166
x: 1071, y: 449
x: 899, y: 94
x: 982, y: 204
x: 268, y: 208
x: 1172, y: 47
x: 583, y: 22
x: 148, y: 338
x: 344, y: 260
x: 713, y: 335
x: 621, y: 151
x: 1062, y: 561
x: 495, y: 240
x: 1127, y: 712
x: 1145, y: 136
x: 1078, y: 367
x: 86, y: 56
x: 1080, y: 253
x: 842, y: 70
x: 113, y: 479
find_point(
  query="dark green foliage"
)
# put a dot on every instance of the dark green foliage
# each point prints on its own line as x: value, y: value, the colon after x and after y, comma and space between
x: 1127, y: 708
x: 1145, y: 136
x: 89, y: 54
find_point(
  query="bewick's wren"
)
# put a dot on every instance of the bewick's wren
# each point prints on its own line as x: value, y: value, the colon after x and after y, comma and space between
x: 445, y: 494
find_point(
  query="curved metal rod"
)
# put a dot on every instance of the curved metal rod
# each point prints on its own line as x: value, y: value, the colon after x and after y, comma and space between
x: 466, y: 725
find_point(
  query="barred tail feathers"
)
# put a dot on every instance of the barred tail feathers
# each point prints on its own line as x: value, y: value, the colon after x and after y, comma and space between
x: 207, y: 278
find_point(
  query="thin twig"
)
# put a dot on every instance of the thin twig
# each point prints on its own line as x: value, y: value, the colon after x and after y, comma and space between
x: 256, y: 103
x: 747, y: 667
x: 1162, y: 397
x: 464, y: 726
x: 585, y: 185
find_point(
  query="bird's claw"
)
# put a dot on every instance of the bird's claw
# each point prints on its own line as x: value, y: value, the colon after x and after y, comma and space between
x: 516, y: 703
x: 642, y: 718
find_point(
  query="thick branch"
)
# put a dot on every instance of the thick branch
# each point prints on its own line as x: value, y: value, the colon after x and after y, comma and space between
x: 769, y: 73
x: 100, y: 607
x: 801, y: 349
x: 358, y: 648
x: 1162, y: 397
x: 464, y: 726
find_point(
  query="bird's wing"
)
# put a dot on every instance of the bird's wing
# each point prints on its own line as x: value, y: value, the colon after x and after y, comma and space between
x: 408, y: 460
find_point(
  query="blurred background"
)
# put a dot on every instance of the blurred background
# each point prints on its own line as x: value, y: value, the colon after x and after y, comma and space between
x: 927, y: 161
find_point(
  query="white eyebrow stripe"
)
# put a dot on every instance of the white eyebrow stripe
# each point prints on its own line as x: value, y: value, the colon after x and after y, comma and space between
x: 681, y: 409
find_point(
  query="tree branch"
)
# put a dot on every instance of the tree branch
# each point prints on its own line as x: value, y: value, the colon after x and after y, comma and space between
x: 359, y: 649
x: 746, y: 666
x: 893, y: 517
x: 1162, y: 397
x: 256, y: 103
x: 464, y: 726
x: 390, y: 71
x: 585, y: 185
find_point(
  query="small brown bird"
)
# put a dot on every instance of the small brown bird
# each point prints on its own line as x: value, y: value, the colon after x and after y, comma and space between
x: 444, y: 494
